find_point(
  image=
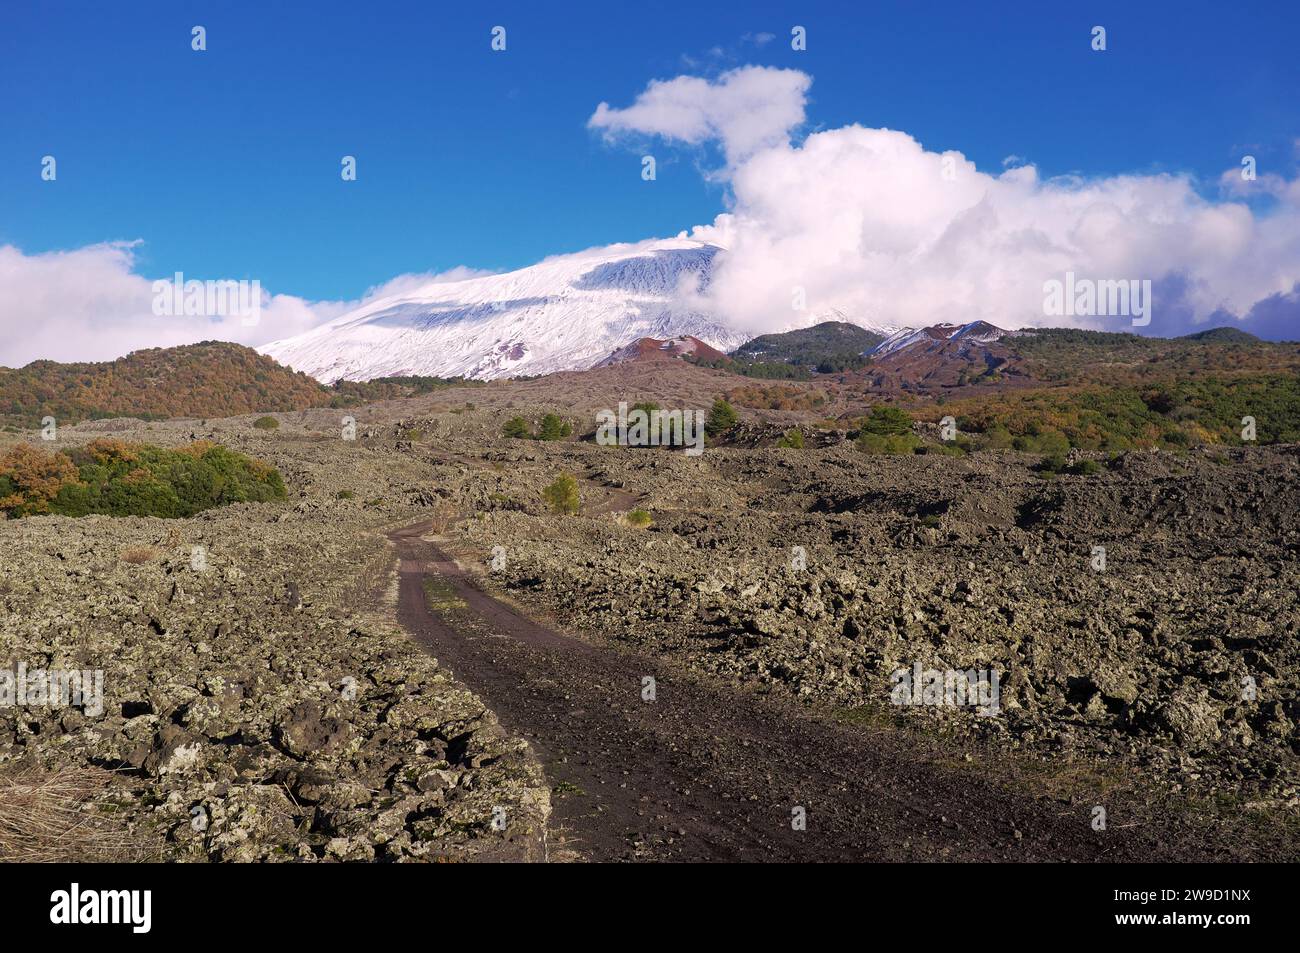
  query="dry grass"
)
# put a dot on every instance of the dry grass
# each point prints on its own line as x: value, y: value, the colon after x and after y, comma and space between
x: 60, y: 816
x: 138, y: 555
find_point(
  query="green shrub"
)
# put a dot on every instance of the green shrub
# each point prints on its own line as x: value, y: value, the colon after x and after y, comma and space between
x: 1173, y: 414
x: 722, y: 417
x: 266, y: 423
x: 345, y: 495
x: 887, y: 443
x: 945, y: 449
x: 793, y: 438
x: 130, y: 479
x: 998, y: 437
x: 517, y: 428
x: 1046, y: 440
x: 562, y: 495
x: 1052, y: 464
x: 639, y: 518
x: 553, y: 427
x: 1055, y: 463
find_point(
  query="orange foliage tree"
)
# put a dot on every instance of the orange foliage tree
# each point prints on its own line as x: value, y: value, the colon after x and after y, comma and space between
x: 35, y: 478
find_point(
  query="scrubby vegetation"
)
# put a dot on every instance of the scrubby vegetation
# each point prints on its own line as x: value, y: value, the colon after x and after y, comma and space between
x: 562, y: 495
x: 131, y: 479
x: 552, y: 427
x: 211, y: 379
x: 765, y: 370
x: 886, y: 430
x: 1172, y: 415
x: 350, y: 393
x: 777, y: 397
x: 639, y: 518
x: 266, y: 423
x: 516, y: 428
x: 1073, y: 356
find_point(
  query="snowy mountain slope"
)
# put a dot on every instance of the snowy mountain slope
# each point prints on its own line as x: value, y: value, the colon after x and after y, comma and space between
x: 938, y: 335
x: 564, y: 313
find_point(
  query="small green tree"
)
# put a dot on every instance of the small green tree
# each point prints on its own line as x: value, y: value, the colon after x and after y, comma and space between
x: 722, y: 417
x: 562, y: 495
x: 517, y: 428
x: 888, y: 421
x: 266, y: 423
x: 553, y: 428
x: 792, y: 438
x: 887, y: 430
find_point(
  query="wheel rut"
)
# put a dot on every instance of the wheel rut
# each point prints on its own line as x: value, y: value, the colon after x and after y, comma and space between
x: 708, y: 772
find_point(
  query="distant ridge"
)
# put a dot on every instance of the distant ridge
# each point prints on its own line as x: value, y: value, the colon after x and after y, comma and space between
x: 209, y: 379
x: 653, y: 349
x: 828, y: 341
x: 944, y: 355
x: 1223, y: 335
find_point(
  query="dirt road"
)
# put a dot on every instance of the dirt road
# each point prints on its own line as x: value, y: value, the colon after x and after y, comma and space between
x: 708, y: 772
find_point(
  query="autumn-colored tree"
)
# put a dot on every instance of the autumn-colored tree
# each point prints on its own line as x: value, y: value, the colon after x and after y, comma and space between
x: 104, y: 449
x: 31, y: 478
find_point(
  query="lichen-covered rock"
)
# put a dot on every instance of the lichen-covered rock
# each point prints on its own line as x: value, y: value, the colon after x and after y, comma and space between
x: 259, y: 703
x: 820, y: 573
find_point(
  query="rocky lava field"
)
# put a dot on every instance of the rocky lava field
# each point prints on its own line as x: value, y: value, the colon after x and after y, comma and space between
x: 810, y: 574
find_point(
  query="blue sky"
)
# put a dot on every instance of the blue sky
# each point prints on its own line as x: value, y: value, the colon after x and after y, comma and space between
x: 226, y: 163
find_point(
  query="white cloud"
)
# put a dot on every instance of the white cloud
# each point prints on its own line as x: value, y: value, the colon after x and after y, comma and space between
x: 864, y: 220
x: 413, y: 281
x: 744, y: 110
x: 869, y: 222
x: 89, y: 304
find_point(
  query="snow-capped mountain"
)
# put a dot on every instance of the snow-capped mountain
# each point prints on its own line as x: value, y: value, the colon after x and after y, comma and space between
x: 565, y: 313
x: 939, y: 336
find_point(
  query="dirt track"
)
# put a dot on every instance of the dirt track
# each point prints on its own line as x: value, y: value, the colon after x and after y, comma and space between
x: 705, y: 772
